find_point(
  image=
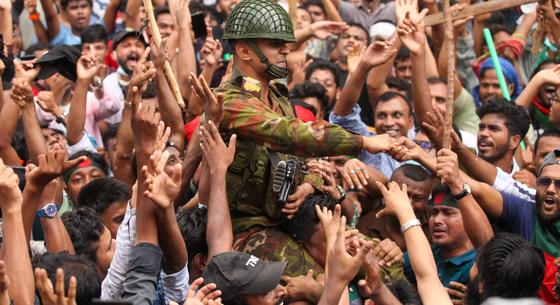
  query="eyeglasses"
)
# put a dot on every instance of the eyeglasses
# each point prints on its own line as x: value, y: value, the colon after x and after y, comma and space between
x: 425, y: 145
x: 546, y: 181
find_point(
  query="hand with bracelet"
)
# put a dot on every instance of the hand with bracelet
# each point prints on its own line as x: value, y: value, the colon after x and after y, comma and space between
x: 397, y: 204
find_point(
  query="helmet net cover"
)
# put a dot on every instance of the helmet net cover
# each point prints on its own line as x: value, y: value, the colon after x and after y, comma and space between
x: 259, y: 19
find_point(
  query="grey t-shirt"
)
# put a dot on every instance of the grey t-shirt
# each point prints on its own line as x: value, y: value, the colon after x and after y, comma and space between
x: 359, y: 13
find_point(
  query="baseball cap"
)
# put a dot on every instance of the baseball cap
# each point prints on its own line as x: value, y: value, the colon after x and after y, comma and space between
x: 550, y: 159
x: 236, y: 273
x: 61, y: 59
x: 120, y: 36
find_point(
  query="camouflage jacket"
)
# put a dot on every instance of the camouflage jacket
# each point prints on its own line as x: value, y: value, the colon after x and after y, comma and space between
x: 264, y: 133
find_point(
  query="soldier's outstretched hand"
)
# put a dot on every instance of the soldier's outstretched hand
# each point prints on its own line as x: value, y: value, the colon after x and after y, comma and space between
x: 213, y: 104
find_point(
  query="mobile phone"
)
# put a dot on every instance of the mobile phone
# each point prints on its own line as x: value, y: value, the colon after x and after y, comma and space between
x: 198, y: 24
x: 20, y: 172
x: 109, y: 302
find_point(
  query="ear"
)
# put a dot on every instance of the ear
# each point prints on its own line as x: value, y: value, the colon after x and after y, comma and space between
x: 243, y: 51
x: 514, y: 141
x: 511, y: 87
x: 200, y: 261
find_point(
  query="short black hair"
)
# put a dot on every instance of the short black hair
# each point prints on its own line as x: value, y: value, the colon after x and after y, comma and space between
x: 38, y: 46
x: 400, y: 84
x: 109, y: 134
x: 65, y: 3
x: 150, y: 92
x: 510, y: 267
x: 402, y: 53
x: 85, y: 271
x: 389, y: 95
x: 359, y: 25
x: 302, y: 226
x: 164, y: 9
x: 322, y: 64
x: 308, y: 3
x: 94, y: 33
x: 100, y: 193
x: 413, y: 172
x: 94, y: 156
x: 311, y: 89
x: 84, y: 228
x: 432, y: 80
x: 547, y: 133
x: 517, y: 118
x: 192, y: 224
x: 404, y: 292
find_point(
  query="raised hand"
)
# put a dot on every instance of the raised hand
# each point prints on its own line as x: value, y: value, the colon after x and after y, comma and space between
x: 330, y: 220
x: 161, y: 187
x: 404, y: 149
x: 372, y: 282
x: 457, y: 292
x: 404, y: 7
x: 213, y: 104
x: 55, y: 297
x: 145, y: 123
x: 218, y: 156
x: 550, y: 76
x: 378, y: 53
x: 144, y: 71
x: 21, y: 92
x: 30, y: 6
x: 355, y: 174
x: 411, y: 31
x: 354, y: 57
x: 10, y: 195
x: 303, y: 288
x: 447, y: 167
x: 26, y: 69
x: 397, y: 202
x: 51, y: 165
x: 388, y: 252
x: 45, y: 100
x: 180, y: 9
x: 87, y: 67
x: 207, y: 295
x: 323, y: 29
x: 211, y: 52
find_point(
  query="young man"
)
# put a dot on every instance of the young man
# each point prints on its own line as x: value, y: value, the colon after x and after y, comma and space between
x: 327, y: 74
x: 78, y: 176
x: 312, y: 94
x: 77, y: 14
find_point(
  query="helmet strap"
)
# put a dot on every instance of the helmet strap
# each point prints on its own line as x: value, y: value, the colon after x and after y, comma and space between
x: 273, y: 71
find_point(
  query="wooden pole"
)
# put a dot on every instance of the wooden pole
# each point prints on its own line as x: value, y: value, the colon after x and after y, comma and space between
x: 156, y: 36
x: 476, y: 9
x: 450, y: 100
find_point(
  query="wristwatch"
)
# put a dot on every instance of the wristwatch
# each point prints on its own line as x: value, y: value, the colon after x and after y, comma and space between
x: 342, y: 192
x: 49, y: 210
x: 464, y: 193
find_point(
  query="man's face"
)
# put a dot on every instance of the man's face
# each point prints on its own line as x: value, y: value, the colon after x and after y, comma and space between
x: 316, y: 13
x: 493, y: 138
x: 165, y: 24
x: 113, y: 217
x: 438, y: 92
x: 327, y: 79
x: 128, y: 53
x: 78, y: 13
x: 419, y: 193
x: 99, y: 50
x: 548, y: 197
x: 274, y: 297
x: 105, y: 251
x: 303, y: 19
x: 546, y: 145
x: 81, y: 177
x: 490, y: 86
x: 348, y: 40
x: 446, y: 227
x: 403, y: 68
x: 393, y: 117
x: 54, y: 140
x: 547, y: 92
x: 337, y: 166
x: 174, y: 158
x: 275, y: 51
x: 314, y: 102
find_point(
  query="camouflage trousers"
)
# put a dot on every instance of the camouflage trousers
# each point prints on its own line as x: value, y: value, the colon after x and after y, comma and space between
x: 272, y: 244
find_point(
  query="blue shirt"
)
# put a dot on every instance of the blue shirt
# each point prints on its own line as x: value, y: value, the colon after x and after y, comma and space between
x: 352, y: 122
x: 518, y: 215
x: 65, y: 35
x: 454, y: 269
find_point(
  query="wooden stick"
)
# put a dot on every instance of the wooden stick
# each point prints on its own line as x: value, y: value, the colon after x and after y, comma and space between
x: 450, y: 100
x: 156, y: 36
x: 476, y: 9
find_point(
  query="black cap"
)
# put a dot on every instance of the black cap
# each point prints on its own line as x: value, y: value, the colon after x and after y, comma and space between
x: 61, y: 59
x: 120, y: 36
x: 236, y: 273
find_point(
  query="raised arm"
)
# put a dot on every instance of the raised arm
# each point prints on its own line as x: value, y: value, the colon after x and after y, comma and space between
x: 40, y: 31
x: 377, y: 76
x: 52, y: 18
x: 111, y: 14
x: 546, y: 10
x: 374, y: 55
x: 186, y: 60
x: 56, y: 236
x: 331, y: 8
x: 218, y: 157
x: 542, y: 78
x: 429, y: 286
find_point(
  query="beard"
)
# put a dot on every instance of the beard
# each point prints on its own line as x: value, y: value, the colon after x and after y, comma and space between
x: 123, y: 64
x: 548, y: 219
x: 473, y: 297
x: 498, y: 154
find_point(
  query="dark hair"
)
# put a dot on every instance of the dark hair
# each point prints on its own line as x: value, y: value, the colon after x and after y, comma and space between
x: 311, y: 89
x: 302, y: 226
x: 84, y: 228
x: 94, y: 33
x: 400, y: 84
x: 517, y: 119
x: 432, y: 80
x: 404, y: 292
x: 547, y: 133
x: 358, y: 25
x: 402, y: 53
x: 413, y: 172
x: 85, y: 271
x: 389, y: 95
x: 319, y: 3
x: 38, y: 46
x: 192, y: 224
x: 94, y: 156
x: 150, y: 92
x: 102, y: 192
x: 164, y: 9
x: 109, y: 134
x: 544, y: 62
x: 65, y: 3
x: 510, y: 267
x: 323, y: 65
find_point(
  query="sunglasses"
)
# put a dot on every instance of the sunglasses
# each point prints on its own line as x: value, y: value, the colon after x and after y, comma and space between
x: 545, y: 182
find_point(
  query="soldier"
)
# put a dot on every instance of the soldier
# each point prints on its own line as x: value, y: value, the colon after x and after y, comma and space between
x: 257, y: 110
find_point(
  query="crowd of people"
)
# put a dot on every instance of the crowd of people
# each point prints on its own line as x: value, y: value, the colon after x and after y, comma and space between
x: 271, y: 152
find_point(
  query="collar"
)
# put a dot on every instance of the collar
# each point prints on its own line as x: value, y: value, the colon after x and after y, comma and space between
x: 457, y: 260
x: 253, y: 86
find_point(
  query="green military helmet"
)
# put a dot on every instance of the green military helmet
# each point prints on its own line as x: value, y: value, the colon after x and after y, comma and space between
x: 259, y: 19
